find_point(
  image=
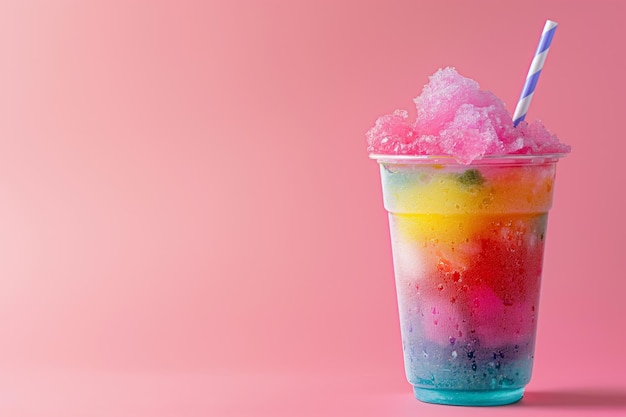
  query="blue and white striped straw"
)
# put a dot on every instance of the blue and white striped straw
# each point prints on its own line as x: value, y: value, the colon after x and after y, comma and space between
x: 534, y: 71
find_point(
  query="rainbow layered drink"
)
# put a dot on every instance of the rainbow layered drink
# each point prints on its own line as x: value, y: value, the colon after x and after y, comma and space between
x: 468, y: 231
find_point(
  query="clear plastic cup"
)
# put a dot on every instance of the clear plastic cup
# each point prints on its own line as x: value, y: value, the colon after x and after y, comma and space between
x: 468, y: 244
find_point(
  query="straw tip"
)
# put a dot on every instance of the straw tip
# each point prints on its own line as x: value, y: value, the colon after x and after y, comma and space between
x: 551, y: 24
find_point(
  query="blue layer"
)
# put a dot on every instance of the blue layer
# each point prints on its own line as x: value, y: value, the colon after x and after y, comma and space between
x: 467, y: 367
x: 472, y: 398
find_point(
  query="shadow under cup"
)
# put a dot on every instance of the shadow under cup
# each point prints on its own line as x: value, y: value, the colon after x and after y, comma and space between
x: 468, y: 244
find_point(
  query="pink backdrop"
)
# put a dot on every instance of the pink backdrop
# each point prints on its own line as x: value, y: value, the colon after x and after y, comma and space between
x: 184, y: 190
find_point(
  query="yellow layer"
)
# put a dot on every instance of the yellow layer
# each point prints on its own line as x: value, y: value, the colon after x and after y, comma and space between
x: 447, y: 237
x: 513, y: 190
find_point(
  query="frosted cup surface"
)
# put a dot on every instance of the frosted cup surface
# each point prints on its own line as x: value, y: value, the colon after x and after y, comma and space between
x: 468, y: 244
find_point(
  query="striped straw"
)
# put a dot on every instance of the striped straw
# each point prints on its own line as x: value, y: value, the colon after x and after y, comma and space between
x: 534, y: 71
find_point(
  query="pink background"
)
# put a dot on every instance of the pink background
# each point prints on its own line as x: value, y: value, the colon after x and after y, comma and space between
x: 190, y: 224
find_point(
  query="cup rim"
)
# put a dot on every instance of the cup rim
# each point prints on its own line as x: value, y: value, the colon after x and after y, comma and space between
x: 451, y: 160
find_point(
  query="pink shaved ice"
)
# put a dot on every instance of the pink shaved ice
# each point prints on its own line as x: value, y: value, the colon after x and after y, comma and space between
x: 456, y: 118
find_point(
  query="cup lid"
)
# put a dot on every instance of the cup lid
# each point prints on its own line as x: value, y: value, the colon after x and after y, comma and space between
x: 484, y: 160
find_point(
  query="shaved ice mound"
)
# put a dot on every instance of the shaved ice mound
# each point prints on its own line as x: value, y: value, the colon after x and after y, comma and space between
x: 456, y: 118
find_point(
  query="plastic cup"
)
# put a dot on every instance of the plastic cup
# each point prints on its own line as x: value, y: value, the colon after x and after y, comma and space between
x: 468, y: 244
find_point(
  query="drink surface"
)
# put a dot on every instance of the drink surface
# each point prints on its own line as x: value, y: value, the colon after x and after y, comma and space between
x: 468, y: 244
